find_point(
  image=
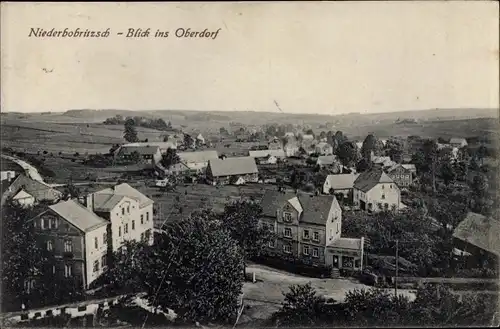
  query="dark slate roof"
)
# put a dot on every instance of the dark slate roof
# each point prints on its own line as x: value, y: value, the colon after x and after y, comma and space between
x: 316, y: 208
x: 143, y: 150
x: 480, y: 231
x: 369, y: 179
x: 39, y: 190
x: 233, y: 166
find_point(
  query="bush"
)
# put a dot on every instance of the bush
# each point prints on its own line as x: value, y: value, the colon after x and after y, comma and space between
x: 294, y: 265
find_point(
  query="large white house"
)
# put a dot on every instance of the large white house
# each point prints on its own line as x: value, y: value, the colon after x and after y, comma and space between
x: 374, y: 190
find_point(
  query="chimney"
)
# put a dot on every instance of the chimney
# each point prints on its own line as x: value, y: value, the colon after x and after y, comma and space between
x: 89, y: 201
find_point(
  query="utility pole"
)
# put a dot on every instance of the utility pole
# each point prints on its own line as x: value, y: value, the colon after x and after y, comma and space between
x: 397, y: 268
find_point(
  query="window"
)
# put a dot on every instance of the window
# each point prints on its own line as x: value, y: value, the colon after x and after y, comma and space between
x: 50, y: 246
x: 68, y: 246
x: 67, y: 270
x: 382, y: 186
x: 142, y: 219
x: 315, y: 252
x: 383, y: 196
x: 53, y: 223
x: 306, y: 250
x: 45, y: 224
x: 287, y: 217
x: 120, y: 231
x: 331, y: 234
x: 148, y: 234
x: 53, y: 269
x: 288, y: 232
x: 337, y: 228
x: 306, y: 234
x: 104, y: 261
x: 391, y: 185
x: 128, y: 209
x: 347, y: 261
x: 96, y: 243
x: 123, y: 211
x: 96, y: 266
x: 147, y: 216
x: 133, y: 225
x: 357, y: 263
x: 271, y: 244
x: 316, y: 236
x: 287, y: 249
x: 126, y: 228
x: 104, y: 238
x: 142, y: 236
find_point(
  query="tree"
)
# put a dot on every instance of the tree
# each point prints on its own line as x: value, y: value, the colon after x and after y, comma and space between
x: 127, y: 268
x: 170, y: 158
x: 322, y: 135
x: 347, y: 153
x: 135, y: 156
x: 196, y: 270
x: 302, y: 307
x: 448, y: 173
x: 395, y: 149
x: 223, y: 131
x: 371, y: 144
x: 339, y: 137
x: 430, y: 159
x: 130, y: 133
x: 363, y: 165
x: 22, y: 259
x: 71, y: 191
x: 188, y: 141
x: 481, y: 153
x: 165, y: 137
x: 479, y: 185
x: 241, y: 218
x: 330, y: 139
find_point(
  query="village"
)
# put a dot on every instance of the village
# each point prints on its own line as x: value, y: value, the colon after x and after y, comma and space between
x: 311, y: 188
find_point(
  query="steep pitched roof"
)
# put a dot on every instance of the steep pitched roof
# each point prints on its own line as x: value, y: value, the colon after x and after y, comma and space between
x: 78, y: 215
x: 198, y: 156
x: 106, y: 201
x: 39, y: 190
x: 346, y: 243
x: 480, y: 231
x: 396, y: 166
x: 342, y: 181
x: 126, y: 190
x: 315, y: 208
x: 369, y: 179
x: 263, y: 153
x: 233, y: 166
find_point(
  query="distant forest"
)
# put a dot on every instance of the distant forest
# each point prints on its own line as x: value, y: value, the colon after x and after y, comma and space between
x: 158, y: 124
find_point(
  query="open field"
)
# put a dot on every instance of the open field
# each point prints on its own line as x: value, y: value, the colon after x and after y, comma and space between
x: 198, y: 196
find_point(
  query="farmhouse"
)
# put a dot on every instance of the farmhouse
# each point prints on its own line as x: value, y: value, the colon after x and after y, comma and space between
x: 326, y: 160
x: 32, y: 191
x: 81, y: 234
x: 383, y: 161
x: 7, y: 175
x: 197, y: 160
x: 309, y: 227
x: 458, y: 142
x: 401, y: 174
x: 478, y: 237
x: 343, y: 183
x: 220, y: 171
x: 291, y: 147
x: 148, y: 153
x: 267, y: 156
x: 374, y: 190
x: 323, y: 148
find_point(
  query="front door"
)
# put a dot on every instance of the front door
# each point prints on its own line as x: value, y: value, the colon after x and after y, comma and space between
x: 335, y: 262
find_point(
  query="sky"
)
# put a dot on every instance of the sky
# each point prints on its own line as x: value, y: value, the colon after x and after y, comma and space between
x: 326, y: 58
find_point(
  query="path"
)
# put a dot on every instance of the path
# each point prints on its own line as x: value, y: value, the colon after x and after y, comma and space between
x: 31, y: 171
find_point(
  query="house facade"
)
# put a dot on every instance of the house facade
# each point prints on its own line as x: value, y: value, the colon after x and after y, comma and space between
x: 32, y: 190
x: 340, y: 184
x: 222, y: 171
x: 306, y: 227
x: 149, y: 154
x: 458, y: 142
x: 374, y: 191
x: 402, y: 176
x: 323, y: 148
x: 80, y: 235
x: 198, y: 160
